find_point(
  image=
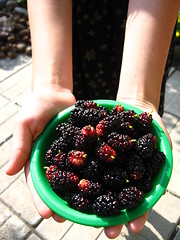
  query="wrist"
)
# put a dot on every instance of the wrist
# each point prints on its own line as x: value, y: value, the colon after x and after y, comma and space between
x: 141, y: 104
x: 57, y: 96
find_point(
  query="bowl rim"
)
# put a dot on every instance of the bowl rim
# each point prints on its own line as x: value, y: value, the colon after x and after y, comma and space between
x: 60, y: 207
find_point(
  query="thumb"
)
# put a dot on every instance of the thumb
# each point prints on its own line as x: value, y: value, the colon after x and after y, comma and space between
x: 22, y: 143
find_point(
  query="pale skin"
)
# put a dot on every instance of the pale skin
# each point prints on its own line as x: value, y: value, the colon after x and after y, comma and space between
x: 148, y: 33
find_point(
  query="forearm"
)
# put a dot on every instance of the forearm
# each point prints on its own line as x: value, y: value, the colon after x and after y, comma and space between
x: 51, y: 35
x: 149, y: 29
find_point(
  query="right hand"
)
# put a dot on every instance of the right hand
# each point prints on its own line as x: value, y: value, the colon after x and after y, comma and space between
x: 41, y: 107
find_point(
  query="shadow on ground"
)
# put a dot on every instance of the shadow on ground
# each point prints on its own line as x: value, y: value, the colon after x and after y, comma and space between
x: 9, y: 64
x: 157, y: 227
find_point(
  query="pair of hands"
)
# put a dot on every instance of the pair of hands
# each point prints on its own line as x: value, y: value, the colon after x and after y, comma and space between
x: 30, y: 122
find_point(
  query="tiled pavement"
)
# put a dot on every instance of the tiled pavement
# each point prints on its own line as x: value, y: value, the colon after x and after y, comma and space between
x: 18, y: 217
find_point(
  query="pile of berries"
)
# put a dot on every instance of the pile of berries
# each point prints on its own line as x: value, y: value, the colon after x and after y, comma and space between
x: 103, y: 161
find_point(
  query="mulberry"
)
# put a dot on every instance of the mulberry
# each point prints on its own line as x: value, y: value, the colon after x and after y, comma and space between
x: 106, y: 153
x: 59, y: 145
x: 77, y: 158
x: 49, y: 158
x: 67, y: 131
x: 117, y: 109
x: 79, y: 202
x: 67, y: 180
x: 144, y: 122
x: 80, y: 117
x: 135, y: 167
x: 93, y: 170
x: 52, y: 175
x: 115, y: 178
x: 106, y: 205
x: 107, y: 125
x: 129, y: 116
x: 146, y: 145
x: 86, y: 104
x: 60, y: 160
x: 154, y: 164
x: 119, y: 142
x: 130, y: 198
x: 89, y: 188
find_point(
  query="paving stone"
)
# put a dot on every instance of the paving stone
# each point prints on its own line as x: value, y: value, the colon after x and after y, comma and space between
x: 3, y: 101
x: 5, y: 152
x: 18, y: 197
x: 175, y: 136
x: 13, y: 229
x: 176, y: 58
x: 8, y: 111
x: 124, y: 235
x: 50, y: 229
x: 24, y: 75
x: 33, y: 237
x: 19, y: 100
x: 170, y: 121
x: 82, y: 232
x: 162, y: 219
x: 177, y: 237
x: 17, y: 89
x: 169, y: 95
x: 6, y: 130
x: 10, y: 66
x: 7, y: 180
x: 173, y: 81
x: 173, y: 106
x: 5, y: 214
x: 174, y: 183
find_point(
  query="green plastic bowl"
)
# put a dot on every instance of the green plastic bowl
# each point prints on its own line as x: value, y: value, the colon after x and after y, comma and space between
x: 60, y: 207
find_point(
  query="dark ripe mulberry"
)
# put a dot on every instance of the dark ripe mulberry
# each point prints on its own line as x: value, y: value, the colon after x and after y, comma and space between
x: 130, y: 198
x: 120, y: 142
x: 93, y: 170
x: 107, y: 125
x: 144, y: 123
x: 146, y: 145
x: 127, y: 129
x: 103, y: 112
x: 106, y: 205
x: 89, y: 188
x: 49, y: 158
x: 106, y: 153
x: 155, y: 162
x: 86, y: 104
x: 67, y: 181
x: 145, y: 185
x: 67, y: 131
x: 52, y: 175
x: 80, y: 117
x: 79, y: 202
x: 59, y: 145
x: 129, y: 116
x: 135, y: 167
x: 60, y: 160
x: 81, y: 144
x: 115, y: 178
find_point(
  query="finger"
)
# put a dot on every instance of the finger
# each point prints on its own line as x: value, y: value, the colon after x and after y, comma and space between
x: 114, y: 231
x: 22, y: 141
x: 41, y: 207
x: 58, y: 218
x: 137, y: 224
